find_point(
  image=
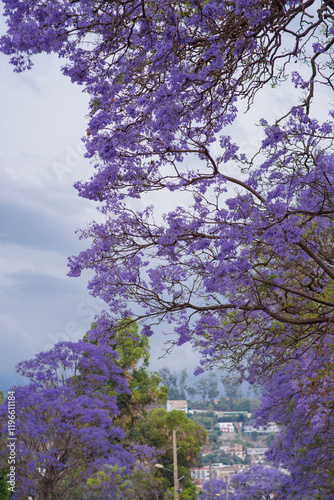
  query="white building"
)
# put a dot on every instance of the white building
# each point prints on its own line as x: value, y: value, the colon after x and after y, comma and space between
x: 257, y: 455
x: 177, y: 404
x: 261, y: 429
x: 257, y: 451
x: 226, y: 426
x: 202, y: 474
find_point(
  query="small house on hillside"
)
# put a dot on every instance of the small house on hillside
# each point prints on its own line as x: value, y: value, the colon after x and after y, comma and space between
x: 232, y: 449
x: 257, y: 455
x: 177, y: 404
x: 261, y: 429
x: 226, y: 426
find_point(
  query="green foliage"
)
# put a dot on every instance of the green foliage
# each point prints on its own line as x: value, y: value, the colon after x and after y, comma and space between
x: 223, y: 458
x: 231, y: 418
x: 145, y: 389
x: 134, y: 354
x: 206, y: 419
x: 132, y: 347
x: 3, y: 485
x: 188, y: 492
x: 155, y: 429
x: 175, y: 383
x: 232, y: 387
x: 142, y: 484
x: 208, y: 422
x: 207, y: 387
x: 254, y: 435
x: 191, y: 393
x: 95, y: 104
x: 111, y: 480
x: 242, y: 405
x: 223, y: 405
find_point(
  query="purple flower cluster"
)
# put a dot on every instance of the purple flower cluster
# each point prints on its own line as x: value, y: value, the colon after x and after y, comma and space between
x: 299, y: 397
x: 64, y: 419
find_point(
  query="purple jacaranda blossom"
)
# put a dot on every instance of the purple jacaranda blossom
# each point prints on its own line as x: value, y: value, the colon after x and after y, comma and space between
x: 299, y: 398
x: 64, y: 430
x: 234, y: 254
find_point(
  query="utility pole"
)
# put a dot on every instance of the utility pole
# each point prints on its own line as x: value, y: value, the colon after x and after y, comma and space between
x: 210, y: 481
x: 176, y: 480
x: 226, y: 487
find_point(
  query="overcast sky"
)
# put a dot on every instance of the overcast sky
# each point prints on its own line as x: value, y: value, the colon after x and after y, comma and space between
x: 42, y: 122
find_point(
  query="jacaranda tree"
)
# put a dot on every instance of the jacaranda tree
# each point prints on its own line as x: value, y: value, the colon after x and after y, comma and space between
x: 299, y: 396
x: 259, y: 483
x: 241, y: 263
x: 64, y: 422
x: 218, y: 490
